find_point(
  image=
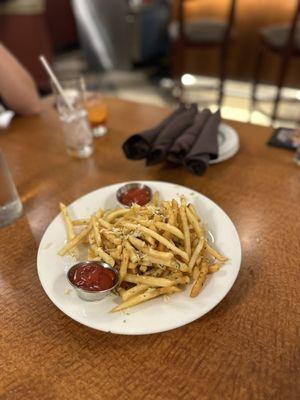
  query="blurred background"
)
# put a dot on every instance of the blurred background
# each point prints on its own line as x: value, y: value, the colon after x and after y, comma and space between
x: 240, y: 55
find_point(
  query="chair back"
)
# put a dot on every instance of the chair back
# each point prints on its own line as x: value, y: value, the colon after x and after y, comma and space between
x: 293, y: 28
x: 230, y: 17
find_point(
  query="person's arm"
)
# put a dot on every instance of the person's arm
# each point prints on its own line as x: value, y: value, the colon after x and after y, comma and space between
x: 17, y: 88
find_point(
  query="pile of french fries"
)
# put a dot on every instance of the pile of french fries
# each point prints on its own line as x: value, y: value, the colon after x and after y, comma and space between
x: 158, y: 248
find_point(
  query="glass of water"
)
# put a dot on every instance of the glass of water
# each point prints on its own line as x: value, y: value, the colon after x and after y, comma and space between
x: 10, y: 203
x: 78, y: 135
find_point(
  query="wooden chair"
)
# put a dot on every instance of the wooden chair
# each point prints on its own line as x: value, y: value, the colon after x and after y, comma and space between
x: 205, y: 32
x: 283, y: 40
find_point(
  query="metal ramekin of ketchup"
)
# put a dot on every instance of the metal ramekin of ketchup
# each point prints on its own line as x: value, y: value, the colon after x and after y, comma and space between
x: 134, y: 193
x: 93, y: 280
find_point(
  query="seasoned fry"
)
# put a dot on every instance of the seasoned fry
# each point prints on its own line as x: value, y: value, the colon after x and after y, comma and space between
x: 97, y: 235
x: 104, y: 223
x: 118, y: 213
x: 156, y: 199
x: 196, y: 254
x: 214, y: 268
x: 75, y: 241
x: 83, y: 221
x: 186, y: 231
x: 68, y: 222
x: 149, y: 294
x: 132, y: 254
x: 214, y: 253
x: 124, y: 266
x: 137, y: 289
x: 195, y: 223
x: 200, y: 280
x: 148, y: 280
x: 102, y: 255
x: 169, y: 228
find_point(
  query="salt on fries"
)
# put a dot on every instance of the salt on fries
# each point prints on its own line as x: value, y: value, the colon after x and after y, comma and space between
x: 158, y: 248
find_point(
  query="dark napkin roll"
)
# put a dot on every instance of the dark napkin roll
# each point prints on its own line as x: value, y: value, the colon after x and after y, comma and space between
x: 169, y: 134
x: 137, y: 146
x: 185, y: 142
x: 206, y: 146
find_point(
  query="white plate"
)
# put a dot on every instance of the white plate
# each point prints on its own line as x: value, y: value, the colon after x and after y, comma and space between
x: 157, y: 315
x: 228, y: 141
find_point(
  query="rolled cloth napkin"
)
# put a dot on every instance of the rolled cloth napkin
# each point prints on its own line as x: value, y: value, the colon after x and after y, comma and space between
x: 205, y: 148
x: 185, y: 142
x: 169, y: 134
x: 138, y: 145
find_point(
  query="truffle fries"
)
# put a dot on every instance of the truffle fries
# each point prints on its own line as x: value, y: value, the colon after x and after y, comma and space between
x: 158, y: 248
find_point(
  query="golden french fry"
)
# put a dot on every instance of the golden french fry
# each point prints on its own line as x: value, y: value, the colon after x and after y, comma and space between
x: 195, y: 223
x: 156, y: 199
x: 132, y: 266
x: 117, y: 213
x: 124, y: 265
x: 132, y: 254
x: 148, y: 280
x: 82, y: 221
x: 75, y: 241
x: 193, y: 211
x: 99, y: 213
x: 200, y: 280
x: 179, y: 266
x: 196, y: 271
x: 147, y: 295
x: 175, y: 212
x: 170, y: 228
x: 186, y: 231
x: 137, y: 289
x: 138, y: 243
x: 214, y: 253
x: 102, y: 255
x: 214, y: 268
x: 104, y: 223
x: 196, y: 253
x: 97, y: 235
x: 68, y: 222
x: 111, y: 237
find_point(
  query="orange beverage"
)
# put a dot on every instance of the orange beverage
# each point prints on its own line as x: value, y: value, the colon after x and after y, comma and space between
x: 97, y: 113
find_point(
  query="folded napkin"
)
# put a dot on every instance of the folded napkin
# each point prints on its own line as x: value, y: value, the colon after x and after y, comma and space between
x: 138, y: 145
x: 185, y: 142
x: 206, y: 146
x: 169, y: 134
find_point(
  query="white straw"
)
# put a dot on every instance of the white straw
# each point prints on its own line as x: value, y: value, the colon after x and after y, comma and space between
x: 55, y: 82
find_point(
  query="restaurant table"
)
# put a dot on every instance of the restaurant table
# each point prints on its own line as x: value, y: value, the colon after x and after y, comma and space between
x: 247, y: 347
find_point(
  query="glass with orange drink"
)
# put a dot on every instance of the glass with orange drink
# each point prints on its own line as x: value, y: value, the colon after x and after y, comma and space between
x: 97, y: 113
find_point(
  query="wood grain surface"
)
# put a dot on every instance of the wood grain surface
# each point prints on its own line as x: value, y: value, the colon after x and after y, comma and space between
x: 245, y: 348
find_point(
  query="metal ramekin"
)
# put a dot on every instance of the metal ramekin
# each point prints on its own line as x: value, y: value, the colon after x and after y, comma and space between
x: 92, y: 295
x: 125, y: 188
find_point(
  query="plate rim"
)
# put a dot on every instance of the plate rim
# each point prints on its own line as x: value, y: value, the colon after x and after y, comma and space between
x: 172, y: 327
x: 229, y: 153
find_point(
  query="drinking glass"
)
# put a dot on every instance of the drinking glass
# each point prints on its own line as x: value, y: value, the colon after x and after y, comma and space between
x: 10, y: 203
x: 97, y: 112
x: 77, y: 132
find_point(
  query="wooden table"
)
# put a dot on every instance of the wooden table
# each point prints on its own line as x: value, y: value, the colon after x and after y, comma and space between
x: 246, y: 348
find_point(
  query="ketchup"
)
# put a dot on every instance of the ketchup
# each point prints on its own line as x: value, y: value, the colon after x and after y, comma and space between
x: 139, y: 196
x: 93, y: 277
